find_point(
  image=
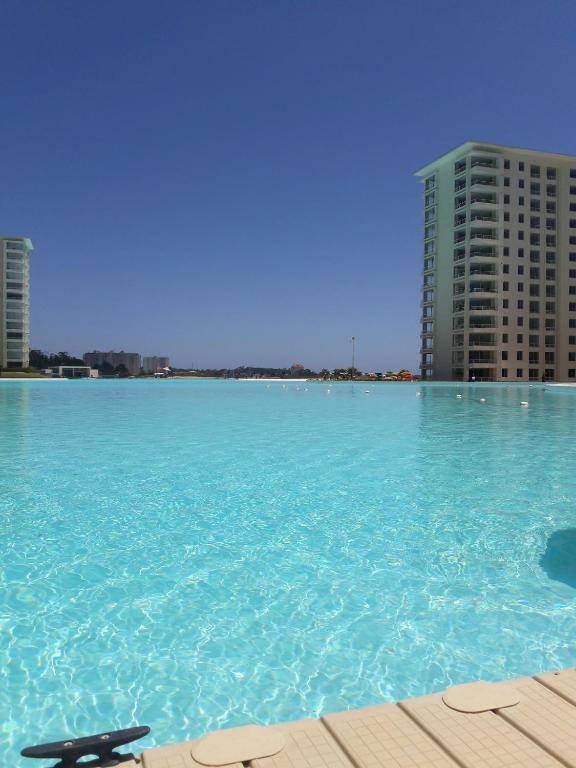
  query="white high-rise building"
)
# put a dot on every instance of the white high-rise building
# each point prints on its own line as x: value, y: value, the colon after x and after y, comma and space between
x: 14, y: 301
x: 499, y: 265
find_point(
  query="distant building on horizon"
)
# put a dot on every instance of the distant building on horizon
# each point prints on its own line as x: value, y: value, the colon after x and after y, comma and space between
x: 130, y: 360
x: 499, y: 265
x: 15, y: 301
x: 152, y: 363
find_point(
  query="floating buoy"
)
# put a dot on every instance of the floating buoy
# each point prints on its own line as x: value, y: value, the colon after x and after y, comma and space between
x: 459, y: 397
x: 524, y: 404
x: 482, y: 399
x: 418, y: 394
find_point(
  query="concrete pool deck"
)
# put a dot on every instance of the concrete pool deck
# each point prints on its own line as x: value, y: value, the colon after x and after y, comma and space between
x: 525, y: 722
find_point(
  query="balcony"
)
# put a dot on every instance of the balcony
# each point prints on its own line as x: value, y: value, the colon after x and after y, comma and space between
x: 480, y: 235
x: 459, y: 221
x: 459, y: 254
x: 482, y: 182
x: 459, y: 237
x: 482, y: 340
x: 479, y: 252
x: 482, y: 322
x: 488, y: 216
x: 459, y: 185
x: 483, y: 286
x: 482, y: 270
x: 484, y: 162
x: 482, y: 305
x: 481, y: 358
x: 483, y: 200
x: 459, y: 168
x: 460, y: 202
x: 459, y: 273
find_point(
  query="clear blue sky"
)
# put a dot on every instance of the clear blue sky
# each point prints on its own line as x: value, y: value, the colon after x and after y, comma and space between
x: 230, y: 181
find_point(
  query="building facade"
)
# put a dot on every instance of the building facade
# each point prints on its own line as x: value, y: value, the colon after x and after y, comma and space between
x: 499, y: 265
x: 14, y: 301
x: 130, y: 360
x: 152, y: 363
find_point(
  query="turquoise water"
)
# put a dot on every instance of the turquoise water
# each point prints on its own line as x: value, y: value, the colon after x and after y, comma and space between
x: 192, y: 555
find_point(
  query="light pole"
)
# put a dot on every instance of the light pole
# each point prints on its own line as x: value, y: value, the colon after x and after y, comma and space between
x: 353, y: 340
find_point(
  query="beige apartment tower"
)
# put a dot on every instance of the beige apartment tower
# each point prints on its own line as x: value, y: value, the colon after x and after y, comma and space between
x: 14, y: 301
x: 499, y: 271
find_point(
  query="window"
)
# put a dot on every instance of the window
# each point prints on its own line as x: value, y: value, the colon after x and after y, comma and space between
x: 550, y: 291
x: 504, y: 354
x: 535, y: 205
x: 506, y: 215
x: 521, y: 200
x: 504, y: 373
x: 535, y: 307
x: 572, y: 240
x: 572, y: 340
x: 572, y: 306
x: 519, y: 338
x: 572, y: 189
x: 551, y: 173
x: 534, y: 358
x: 430, y: 183
x: 550, y: 206
x: 550, y: 307
x: 534, y: 222
x: 521, y: 183
x: 520, y: 287
x: 505, y: 339
x: 504, y: 319
x: 520, y: 253
x: 551, y: 274
x: 506, y: 181
x: 504, y: 303
x: 551, y: 241
x: 572, y: 273
x: 521, y: 234
x: 519, y: 373
x: 535, y: 257
x: 506, y: 252
x: 572, y: 290
x: 550, y: 257
x: 534, y: 341
x: 520, y: 304
x: 520, y: 269
x: 572, y: 323
x: 506, y: 234
x: 534, y: 289
x: 506, y: 199
x: 534, y: 324
x: 571, y: 373
x: 519, y: 322
x: 535, y: 188
x: 551, y: 224
x: 573, y: 206
x: 520, y: 166
x: 534, y: 238
x: 572, y: 256
x: 505, y: 286
x: 534, y: 171
x: 534, y: 273
x: 506, y: 164
x: 572, y: 357
x: 506, y: 268
x: 573, y: 173
x: 551, y: 190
